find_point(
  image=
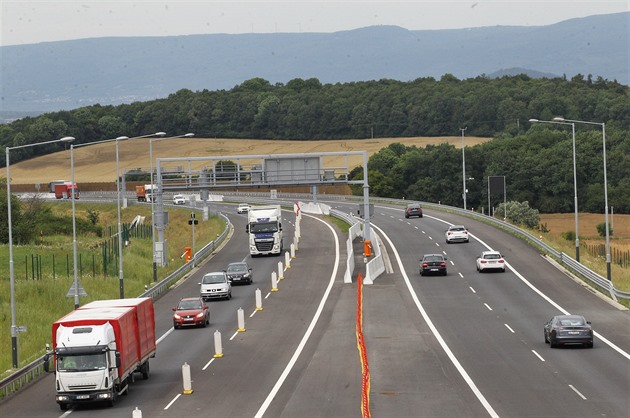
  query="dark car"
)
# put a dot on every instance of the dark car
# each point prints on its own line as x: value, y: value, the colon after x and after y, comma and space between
x: 433, y: 264
x: 568, y: 329
x: 191, y: 312
x: 413, y: 209
x: 239, y: 272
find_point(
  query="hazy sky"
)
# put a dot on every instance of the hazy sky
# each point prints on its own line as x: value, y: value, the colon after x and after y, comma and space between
x: 34, y: 21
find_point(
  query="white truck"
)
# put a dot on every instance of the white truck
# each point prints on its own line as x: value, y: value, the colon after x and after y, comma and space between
x: 264, y: 227
x: 98, y: 348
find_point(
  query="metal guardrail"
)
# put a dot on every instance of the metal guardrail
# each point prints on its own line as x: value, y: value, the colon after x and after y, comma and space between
x: 35, y: 369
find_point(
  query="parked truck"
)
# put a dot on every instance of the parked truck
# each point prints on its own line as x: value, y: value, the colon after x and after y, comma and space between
x: 145, y: 193
x: 97, y: 349
x: 64, y: 190
x: 264, y: 227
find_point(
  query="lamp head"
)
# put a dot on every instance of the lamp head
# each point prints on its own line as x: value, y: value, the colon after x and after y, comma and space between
x: 534, y: 120
x: 122, y: 138
x: 159, y: 134
x: 559, y: 118
x: 67, y: 139
x: 188, y: 135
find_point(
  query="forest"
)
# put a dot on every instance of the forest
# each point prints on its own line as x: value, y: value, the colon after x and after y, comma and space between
x: 535, y: 158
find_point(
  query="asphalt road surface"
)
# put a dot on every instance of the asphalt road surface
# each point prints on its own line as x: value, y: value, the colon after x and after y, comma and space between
x: 465, y: 345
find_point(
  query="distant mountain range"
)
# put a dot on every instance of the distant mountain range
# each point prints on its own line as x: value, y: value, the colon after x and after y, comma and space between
x: 66, y: 75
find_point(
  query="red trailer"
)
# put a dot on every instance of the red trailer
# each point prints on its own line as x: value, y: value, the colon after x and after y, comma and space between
x: 99, y: 347
x: 64, y: 191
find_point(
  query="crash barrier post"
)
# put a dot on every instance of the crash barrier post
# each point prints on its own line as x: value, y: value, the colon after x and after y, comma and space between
x: 274, y: 282
x: 187, y: 380
x: 241, y: 320
x: 259, y: 300
x: 287, y: 259
x: 218, y: 347
x: 136, y: 413
x: 292, y: 251
x: 280, y: 271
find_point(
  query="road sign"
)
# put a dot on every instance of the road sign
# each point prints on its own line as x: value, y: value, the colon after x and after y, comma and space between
x: 71, y: 292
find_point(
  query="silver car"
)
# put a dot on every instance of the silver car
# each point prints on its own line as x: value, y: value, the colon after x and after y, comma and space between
x: 456, y: 233
x: 215, y: 285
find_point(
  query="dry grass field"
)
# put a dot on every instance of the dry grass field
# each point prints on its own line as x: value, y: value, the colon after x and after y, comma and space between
x: 97, y: 163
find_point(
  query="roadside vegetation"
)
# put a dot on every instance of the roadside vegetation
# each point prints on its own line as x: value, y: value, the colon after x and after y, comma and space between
x: 40, y: 301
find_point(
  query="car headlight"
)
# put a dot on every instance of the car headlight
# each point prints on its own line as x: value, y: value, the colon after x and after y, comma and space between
x: 199, y: 315
x: 177, y: 316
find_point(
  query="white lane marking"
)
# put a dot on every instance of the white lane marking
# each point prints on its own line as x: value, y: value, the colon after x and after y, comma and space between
x: 208, y: 364
x: 545, y: 297
x: 164, y: 335
x: 578, y: 392
x: 460, y: 275
x: 234, y: 336
x: 435, y: 332
x: 508, y: 327
x: 253, y: 313
x: 538, y: 355
x: 268, y: 294
x: 308, y: 332
x: 488, y: 306
x: 172, y: 402
x: 473, y: 290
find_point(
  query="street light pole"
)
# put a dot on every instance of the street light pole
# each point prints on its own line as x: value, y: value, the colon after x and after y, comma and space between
x: 14, y: 328
x: 575, y: 198
x: 153, y: 193
x: 464, y: 165
x: 603, y: 125
x: 74, y: 232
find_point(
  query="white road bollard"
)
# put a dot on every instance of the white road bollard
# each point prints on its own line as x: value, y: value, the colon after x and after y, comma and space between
x: 287, y: 259
x: 218, y: 347
x: 297, y: 230
x: 292, y: 251
x: 280, y: 271
x: 241, y: 320
x: 258, y: 300
x: 187, y: 380
x: 295, y: 243
x: 274, y: 282
x: 136, y: 413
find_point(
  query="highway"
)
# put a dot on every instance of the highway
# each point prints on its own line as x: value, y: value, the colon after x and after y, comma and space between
x: 464, y: 345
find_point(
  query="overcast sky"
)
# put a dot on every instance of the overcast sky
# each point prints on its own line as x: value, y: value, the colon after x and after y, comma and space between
x: 34, y: 21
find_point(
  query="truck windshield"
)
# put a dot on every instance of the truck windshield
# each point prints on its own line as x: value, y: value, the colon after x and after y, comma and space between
x: 82, y: 362
x: 256, y: 228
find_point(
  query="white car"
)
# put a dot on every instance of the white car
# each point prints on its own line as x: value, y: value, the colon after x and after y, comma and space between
x: 490, y: 260
x: 179, y: 199
x: 456, y: 233
x: 242, y: 208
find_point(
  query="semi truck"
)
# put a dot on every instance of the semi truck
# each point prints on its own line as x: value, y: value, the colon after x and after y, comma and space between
x: 145, y: 193
x: 98, y: 348
x: 64, y: 190
x: 264, y: 228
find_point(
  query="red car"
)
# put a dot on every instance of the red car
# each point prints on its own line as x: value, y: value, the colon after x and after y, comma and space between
x: 191, y: 312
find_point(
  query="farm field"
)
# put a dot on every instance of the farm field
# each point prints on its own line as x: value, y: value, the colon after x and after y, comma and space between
x: 97, y: 163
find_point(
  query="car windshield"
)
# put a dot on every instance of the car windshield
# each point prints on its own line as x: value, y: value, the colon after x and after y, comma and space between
x: 433, y: 258
x: 457, y: 228
x: 492, y: 256
x: 188, y: 304
x: 213, y: 279
x: 571, y: 322
x: 236, y: 268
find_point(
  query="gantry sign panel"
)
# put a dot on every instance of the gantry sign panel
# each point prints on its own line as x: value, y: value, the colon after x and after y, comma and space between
x: 199, y: 173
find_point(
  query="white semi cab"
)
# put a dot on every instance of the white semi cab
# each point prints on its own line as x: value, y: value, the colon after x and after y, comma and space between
x: 264, y: 227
